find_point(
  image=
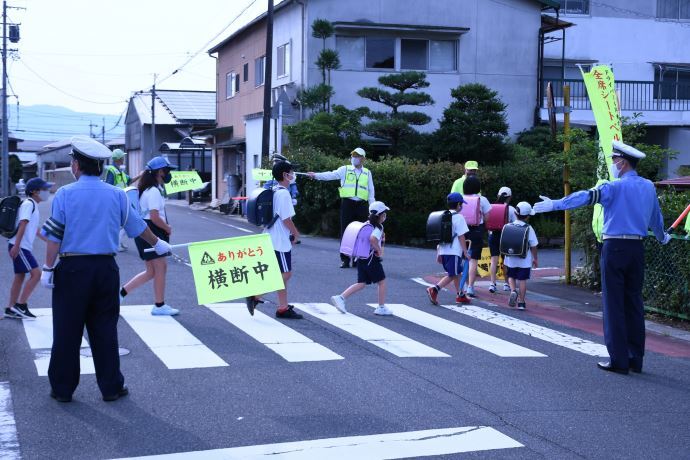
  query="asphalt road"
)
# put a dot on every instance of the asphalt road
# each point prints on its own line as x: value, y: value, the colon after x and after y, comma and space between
x: 549, y: 402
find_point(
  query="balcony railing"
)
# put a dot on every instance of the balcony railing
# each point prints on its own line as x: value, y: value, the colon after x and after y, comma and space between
x: 636, y: 96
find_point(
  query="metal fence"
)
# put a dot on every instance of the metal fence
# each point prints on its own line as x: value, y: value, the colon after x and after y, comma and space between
x: 667, y: 277
x: 634, y: 95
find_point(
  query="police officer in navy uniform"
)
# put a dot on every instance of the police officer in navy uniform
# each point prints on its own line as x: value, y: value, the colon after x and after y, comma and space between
x: 631, y: 207
x: 83, y: 231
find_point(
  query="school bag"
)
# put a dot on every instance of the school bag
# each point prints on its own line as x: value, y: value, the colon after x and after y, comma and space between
x: 9, y: 208
x: 514, y: 240
x: 498, y: 217
x: 260, y: 208
x: 439, y: 227
x: 471, y: 210
x: 355, y: 241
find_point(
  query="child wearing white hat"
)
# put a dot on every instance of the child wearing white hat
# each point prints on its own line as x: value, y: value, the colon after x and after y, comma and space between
x: 519, y: 268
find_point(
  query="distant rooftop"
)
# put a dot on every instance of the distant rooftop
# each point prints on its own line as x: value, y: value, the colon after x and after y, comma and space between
x: 174, y: 107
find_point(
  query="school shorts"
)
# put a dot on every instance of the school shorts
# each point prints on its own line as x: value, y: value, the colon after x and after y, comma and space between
x: 476, y: 236
x: 452, y: 264
x: 141, y: 244
x: 495, y: 243
x: 370, y: 271
x: 24, y: 262
x: 284, y: 261
x: 519, y: 273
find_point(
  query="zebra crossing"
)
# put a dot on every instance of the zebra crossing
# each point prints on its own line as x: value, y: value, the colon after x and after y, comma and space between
x: 177, y: 348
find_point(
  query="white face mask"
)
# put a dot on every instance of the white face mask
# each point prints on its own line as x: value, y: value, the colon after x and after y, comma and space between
x: 44, y: 195
x: 121, y: 167
x: 355, y: 161
x: 615, y: 172
x: 293, y: 179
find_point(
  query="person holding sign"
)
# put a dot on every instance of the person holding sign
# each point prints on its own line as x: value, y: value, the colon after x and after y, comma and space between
x: 152, y: 205
x: 630, y: 208
x: 356, y: 189
x: 284, y: 235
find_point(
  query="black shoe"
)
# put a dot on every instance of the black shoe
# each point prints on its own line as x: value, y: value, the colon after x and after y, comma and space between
x: 22, y: 311
x: 288, y: 314
x: 606, y: 366
x: 251, y: 304
x: 345, y: 264
x: 521, y: 306
x: 11, y: 314
x: 124, y: 391
x: 62, y: 399
x: 636, y: 365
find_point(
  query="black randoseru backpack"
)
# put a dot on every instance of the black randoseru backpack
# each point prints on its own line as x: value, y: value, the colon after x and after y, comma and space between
x: 439, y: 227
x: 260, y: 208
x: 9, y: 207
x: 515, y: 240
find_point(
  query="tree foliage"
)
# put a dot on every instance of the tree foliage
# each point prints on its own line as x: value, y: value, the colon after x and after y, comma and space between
x: 315, y: 97
x: 333, y: 131
x: 323, y: 29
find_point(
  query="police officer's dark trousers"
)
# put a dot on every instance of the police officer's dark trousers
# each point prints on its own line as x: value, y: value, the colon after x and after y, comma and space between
x: 622, y: 276
x: 350, y: 211
x: 85, y: 293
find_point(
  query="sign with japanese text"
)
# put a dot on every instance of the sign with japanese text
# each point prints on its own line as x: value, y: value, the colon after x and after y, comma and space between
x: 263, y: 175
x: 183, y: 181
x: 484, y: 264
x: 601, y: 89
x: 234, y: 268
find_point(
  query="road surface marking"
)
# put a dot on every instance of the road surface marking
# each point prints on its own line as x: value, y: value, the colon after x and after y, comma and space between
x: 228, y: 225
x: 411, y: 444
x: 169, y: 340
x: 386, y: 339
x: 9, y: 445
x: 39, y: 333
x: 286, y: 342
x: 464, y: 334
x: 550, y: 335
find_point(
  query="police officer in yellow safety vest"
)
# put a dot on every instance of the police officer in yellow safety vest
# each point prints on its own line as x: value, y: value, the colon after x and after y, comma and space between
x: 115, y: 175
x: 356, y: 191
x: 471, y: 168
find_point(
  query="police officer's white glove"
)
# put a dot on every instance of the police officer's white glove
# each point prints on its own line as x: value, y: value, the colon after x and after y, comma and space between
x: 546, y: 205
x: 667, y: 238
x: 47, y: 277
x: 162, y: 247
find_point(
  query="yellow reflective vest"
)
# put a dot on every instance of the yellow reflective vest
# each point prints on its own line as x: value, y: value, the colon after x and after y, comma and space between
x: 120, y: 179
x: 354, y: 185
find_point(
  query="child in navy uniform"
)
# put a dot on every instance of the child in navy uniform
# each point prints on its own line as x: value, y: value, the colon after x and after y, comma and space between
x: 519, y: 268
x: 451, y: 254
x: 370, y: 270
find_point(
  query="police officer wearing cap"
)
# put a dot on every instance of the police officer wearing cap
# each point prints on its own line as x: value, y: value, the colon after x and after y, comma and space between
x: 356, y: 190
x: 83, y: 231
x: 630, y: 208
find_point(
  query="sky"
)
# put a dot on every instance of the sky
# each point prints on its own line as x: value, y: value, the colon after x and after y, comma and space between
x: 91, y: 55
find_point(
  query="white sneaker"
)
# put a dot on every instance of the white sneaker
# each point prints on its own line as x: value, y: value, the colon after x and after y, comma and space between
x: 506, y: 287
x: 165, y: 310
x: 122, y: 248
x: 383, y: 311
x: 339, y: 302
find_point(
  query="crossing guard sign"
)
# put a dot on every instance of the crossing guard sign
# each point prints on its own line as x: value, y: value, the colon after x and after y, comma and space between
x: 234, y: 268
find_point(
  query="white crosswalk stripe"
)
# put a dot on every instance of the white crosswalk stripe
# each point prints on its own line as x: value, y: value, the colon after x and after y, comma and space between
x: 9, y: 444
x: 410, y: 444
x: 373, y: 333
x: 169, y: 340
x: 462, y: 333
x: 286, y: 342
x: 533, y: 330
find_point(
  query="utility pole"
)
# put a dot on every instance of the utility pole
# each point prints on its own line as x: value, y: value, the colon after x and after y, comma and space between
x: 153, y: 115
x: 5, y: 124
x: 266, y: 130
x: 566, y: 180
x: 103, y: 131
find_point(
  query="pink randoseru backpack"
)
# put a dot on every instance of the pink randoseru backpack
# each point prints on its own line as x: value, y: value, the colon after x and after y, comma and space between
x: 355, y: 242
x: 471, y: 210
x: 498, y: 217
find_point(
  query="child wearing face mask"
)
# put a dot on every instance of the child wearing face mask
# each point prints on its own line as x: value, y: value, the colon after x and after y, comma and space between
x: 21, y: 246
x: 152, y: 205
x: 370, y: 270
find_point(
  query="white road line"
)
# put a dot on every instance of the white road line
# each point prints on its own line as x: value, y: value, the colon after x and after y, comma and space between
x: 386, y: 339
x: 464, y: 334
x: 169, y: 340
x: 550, y: 335
x: 411, y: 444
x: 9, y: 445
x: 39, y: 333
x: 424, y: 283
x: 228, y: 225
x: 286, y: 342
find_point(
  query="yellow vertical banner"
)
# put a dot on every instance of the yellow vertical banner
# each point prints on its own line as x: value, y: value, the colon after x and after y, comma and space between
x: 234, y: 268
x: 182, y: 181
x: 601, y: 89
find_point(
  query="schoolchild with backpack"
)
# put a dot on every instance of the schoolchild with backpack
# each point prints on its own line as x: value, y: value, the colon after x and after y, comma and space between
x: 519, y: 245
x: 20, y: 247
x: 450, y: 254
x: 370, y: 268
x: 501, y: 213
x: 476, y: 211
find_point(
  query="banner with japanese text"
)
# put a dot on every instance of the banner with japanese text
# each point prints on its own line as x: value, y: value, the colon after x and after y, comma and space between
x: 183, y: 181
x: 234, y: 268
x: 263, y: 175
x: 601, y: 90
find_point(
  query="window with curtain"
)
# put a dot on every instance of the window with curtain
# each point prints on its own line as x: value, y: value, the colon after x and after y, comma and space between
x: 380, y: 53
x: 259, y: 70
x: 230, y: 89
x: 443, y: 55
x: 283, y: 60
x: 350, y: 52
x: 673, y: 9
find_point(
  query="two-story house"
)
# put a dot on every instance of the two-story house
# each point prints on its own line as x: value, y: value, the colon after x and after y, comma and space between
x: 453, y: 41
x: 647, y: 44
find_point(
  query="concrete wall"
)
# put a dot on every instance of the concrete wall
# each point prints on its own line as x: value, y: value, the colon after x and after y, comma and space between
x: 253, y: 129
